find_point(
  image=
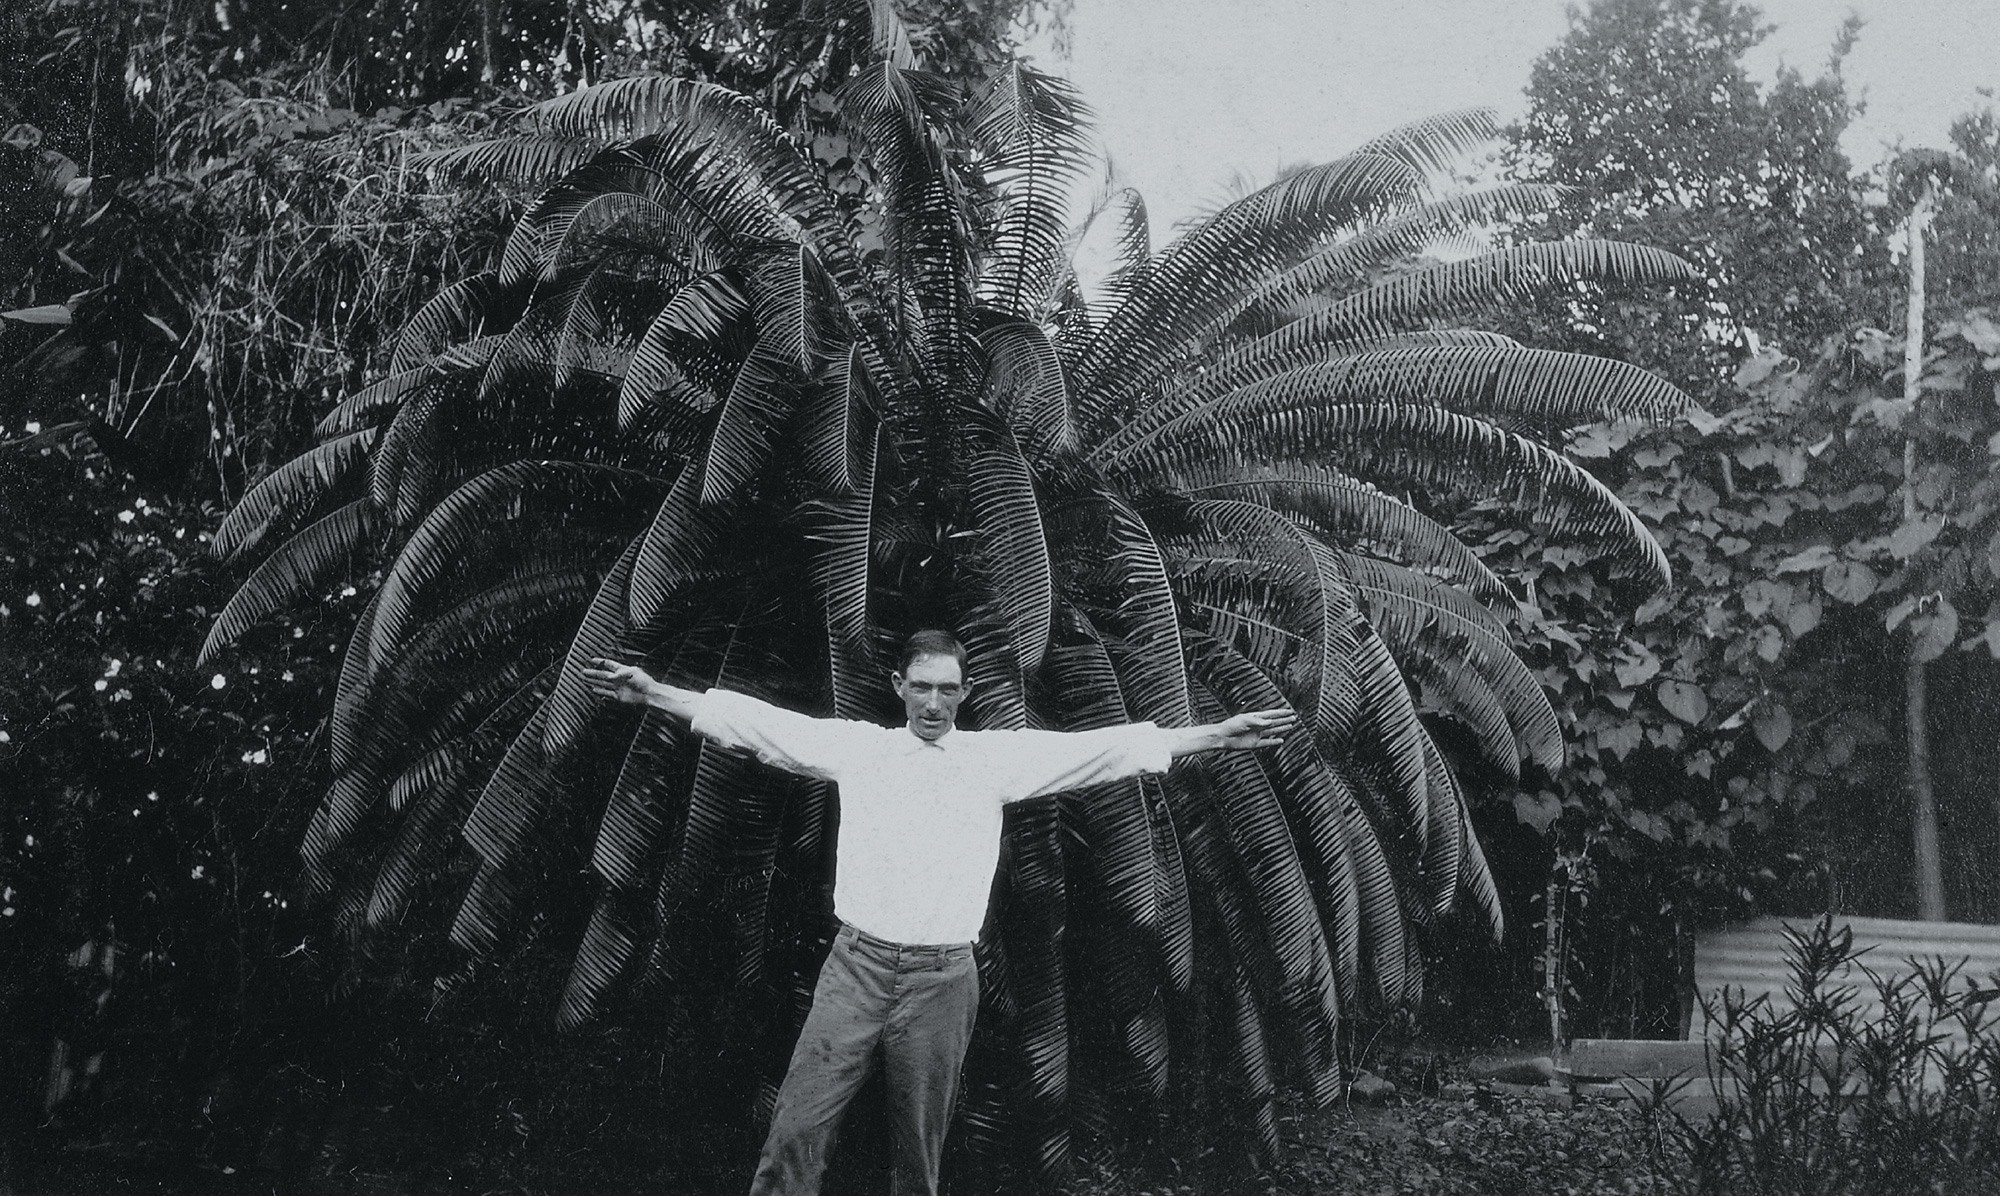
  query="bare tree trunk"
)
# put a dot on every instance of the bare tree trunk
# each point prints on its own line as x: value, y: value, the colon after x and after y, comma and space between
x: 489, y: 38
x: 1926, y: 862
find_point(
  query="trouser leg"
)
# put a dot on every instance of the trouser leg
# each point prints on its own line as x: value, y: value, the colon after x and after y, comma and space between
x: 836, y: 1051
x: 923, y: 1050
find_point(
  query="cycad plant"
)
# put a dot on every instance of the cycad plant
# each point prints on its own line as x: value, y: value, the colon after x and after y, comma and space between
x: 703, y: 415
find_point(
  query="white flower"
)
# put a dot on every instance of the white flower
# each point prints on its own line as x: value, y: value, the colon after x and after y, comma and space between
x: 125, y: 516
x: 217, y: 681
x: 196, y: 874
x: 111, y: 670
x: 153, y: 795
x: 33, y: 427
x: 34, y: 600
x: 101, y: 685
x: 260, y: 756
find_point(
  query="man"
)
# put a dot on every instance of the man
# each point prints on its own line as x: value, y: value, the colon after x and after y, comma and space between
x: 920, y: 809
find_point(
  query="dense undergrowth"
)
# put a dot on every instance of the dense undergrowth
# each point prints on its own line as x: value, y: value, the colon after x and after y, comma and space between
x: 1463, y: 1141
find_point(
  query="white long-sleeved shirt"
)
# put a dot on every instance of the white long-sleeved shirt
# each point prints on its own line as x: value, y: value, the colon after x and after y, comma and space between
x: 920, y: 819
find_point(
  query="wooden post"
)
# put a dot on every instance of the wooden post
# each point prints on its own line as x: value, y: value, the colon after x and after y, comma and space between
x: 1927, y: 865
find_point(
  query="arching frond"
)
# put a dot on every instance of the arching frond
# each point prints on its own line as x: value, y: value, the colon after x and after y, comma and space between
x: 1210, y: 268
x: 1446, y: 841
x: 292, y: 488
x: 1035, y: 130
x: 603, y: 632
x: 1538, y: 387
x: 522, y: 161
x: 465, y: 311
x: 760, y: 401
x: 677, y: 552
x: 365, y: 407
x: 465, y: 659
x: 1451, y: 288
x: 1476, y: 881
x: 1007, y: 515
x: 1345, y: 511
x: 1445, y: 676
x: 609, y: 945
x: 1436, y: 143
x: 1421, y: 446
x: 1418, y: 616
x: 682, y: 364
x: 1143, y: 617
x: 837, y: 428
x: 1315, y: 572
x: 515, y: 491
x: 1307, y: 993
x: 926, y: 232
x: 1024, y: 383
x: 637, y: 818
x: 842, y: 532
x: 305, y: 562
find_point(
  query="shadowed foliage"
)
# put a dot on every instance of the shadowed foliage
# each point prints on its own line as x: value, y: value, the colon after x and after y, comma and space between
x: 705, y: 416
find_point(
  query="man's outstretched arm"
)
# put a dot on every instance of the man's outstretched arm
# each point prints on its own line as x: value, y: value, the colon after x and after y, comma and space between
x: 1053, y: 761
x: 1243, y: 733
x: 783, y: 739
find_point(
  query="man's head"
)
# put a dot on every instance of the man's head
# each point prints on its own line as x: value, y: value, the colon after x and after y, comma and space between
x: 930, y: 678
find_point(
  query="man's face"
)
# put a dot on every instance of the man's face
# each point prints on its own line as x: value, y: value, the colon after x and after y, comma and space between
x: 931, y: 691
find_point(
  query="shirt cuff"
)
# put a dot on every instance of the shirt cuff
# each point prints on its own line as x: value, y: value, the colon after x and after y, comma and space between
x: 1153, y: 751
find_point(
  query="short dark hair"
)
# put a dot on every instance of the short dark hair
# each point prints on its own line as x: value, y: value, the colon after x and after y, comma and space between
x: 931, y: 642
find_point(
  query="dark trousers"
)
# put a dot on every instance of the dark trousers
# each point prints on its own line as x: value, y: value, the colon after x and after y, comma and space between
x: 910, y: 1006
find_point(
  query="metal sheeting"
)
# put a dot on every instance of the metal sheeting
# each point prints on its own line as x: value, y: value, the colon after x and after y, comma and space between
x: 1755, y: 958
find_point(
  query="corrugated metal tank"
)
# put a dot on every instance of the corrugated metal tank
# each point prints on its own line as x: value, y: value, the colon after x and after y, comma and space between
x: 1755, y: 957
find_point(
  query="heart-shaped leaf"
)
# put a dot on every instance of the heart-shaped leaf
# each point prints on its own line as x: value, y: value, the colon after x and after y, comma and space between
x: 1539, y: 810
x: 1772, y: 724
x: 1932, y: 633
x: 1912, y: 537
x: 1848, y: 581
x: 1684, y: 700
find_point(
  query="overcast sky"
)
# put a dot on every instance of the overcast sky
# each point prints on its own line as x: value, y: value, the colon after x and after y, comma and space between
x: 1191, y: 92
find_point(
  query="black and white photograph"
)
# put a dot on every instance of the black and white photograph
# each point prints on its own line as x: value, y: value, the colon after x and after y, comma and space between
x: 1000, y: 597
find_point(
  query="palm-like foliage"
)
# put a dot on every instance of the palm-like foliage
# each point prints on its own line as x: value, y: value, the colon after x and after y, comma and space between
x: 697, y: 417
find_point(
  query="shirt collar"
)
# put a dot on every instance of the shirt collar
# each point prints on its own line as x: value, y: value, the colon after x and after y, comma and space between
x: 918, y: 742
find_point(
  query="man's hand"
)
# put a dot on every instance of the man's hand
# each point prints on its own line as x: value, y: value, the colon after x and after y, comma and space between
x: 624, y: 682
x: 1256, y: 729
x: 1246, y: 732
